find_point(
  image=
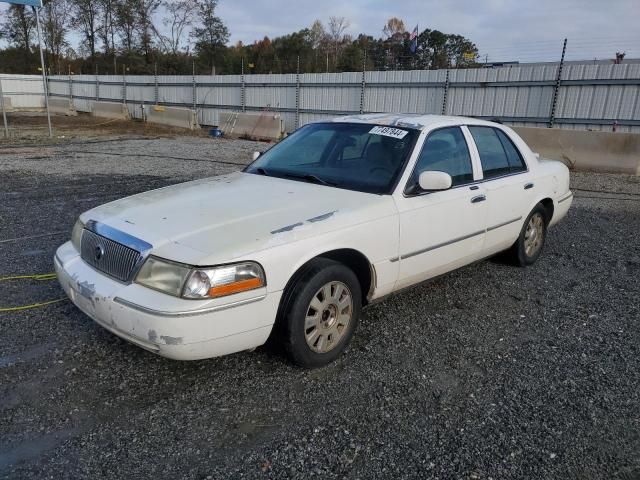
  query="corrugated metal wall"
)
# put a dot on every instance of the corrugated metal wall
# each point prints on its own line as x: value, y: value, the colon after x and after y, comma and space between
x: 589, y: 97
x: 25, y: 91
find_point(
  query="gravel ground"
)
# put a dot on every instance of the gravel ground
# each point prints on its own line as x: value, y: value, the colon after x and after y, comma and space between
x: 488, y: 372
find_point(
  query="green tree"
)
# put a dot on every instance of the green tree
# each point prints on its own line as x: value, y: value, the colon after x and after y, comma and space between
x: 210, y: 34
x: 440, y: 50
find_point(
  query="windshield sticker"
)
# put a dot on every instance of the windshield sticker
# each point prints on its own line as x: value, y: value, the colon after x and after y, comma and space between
x: 389, y: 132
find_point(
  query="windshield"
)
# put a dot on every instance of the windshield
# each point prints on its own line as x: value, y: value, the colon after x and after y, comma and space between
x: 356, y: 156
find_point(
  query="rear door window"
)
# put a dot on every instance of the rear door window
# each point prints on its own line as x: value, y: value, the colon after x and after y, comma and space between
x: 516, y: 163
x: 498, y: 155
x: 492, y: 155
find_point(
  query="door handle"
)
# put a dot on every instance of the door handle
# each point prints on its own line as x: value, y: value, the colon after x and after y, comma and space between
x: 479, y: 198
x: 528, y: 186
x: 474, y: 187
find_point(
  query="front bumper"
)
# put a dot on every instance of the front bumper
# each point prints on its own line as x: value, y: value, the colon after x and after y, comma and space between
x: 171, y: 327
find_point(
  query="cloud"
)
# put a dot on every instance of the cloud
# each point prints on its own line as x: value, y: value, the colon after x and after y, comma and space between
x: 524, y: 30
x: 502, y: 29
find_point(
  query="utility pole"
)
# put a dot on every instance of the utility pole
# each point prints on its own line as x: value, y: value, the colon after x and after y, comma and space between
x: 44, y: 73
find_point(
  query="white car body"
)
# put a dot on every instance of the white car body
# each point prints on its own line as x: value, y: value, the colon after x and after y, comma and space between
x: 282, y: 224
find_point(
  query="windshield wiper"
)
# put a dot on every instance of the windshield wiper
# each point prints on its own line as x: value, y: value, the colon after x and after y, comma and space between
x: 308, y: 177
x: 262, y: 171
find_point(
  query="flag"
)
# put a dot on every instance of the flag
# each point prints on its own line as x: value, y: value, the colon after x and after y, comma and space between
x: 413, y: 38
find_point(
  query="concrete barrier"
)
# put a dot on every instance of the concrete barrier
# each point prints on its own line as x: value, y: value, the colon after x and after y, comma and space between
x: 8, y: 106
x: 62, y: 106
x: 255, y: 126
x: 112, y: 110
x: 173, y: 116
x: 583, y: 150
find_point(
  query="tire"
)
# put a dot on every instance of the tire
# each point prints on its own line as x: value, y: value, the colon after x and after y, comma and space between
x: 316, y: 328
x: 525, y: 251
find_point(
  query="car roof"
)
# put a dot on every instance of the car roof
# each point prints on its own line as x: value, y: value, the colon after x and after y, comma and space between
x: 411, y: 120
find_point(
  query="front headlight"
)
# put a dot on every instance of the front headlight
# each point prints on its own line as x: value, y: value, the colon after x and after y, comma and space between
x: 200, y: 283
x: 76, y: 234
x: 168, y: 277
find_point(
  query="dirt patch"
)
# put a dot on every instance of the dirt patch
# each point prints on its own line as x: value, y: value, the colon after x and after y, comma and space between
x: 26, y: 127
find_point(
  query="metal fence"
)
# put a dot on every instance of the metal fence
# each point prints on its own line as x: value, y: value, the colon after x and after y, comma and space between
x: 598, y: 97
x: 25, y: 91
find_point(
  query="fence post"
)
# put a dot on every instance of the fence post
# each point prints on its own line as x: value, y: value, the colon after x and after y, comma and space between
x: 70, y: 87
x: 124, y: 84
x: 155, y: 84
x: 97, y: 85
x: 552, y: 117
x: 363, y: 84
x: 298, y: 93
x: 242, y: 93
x: 4, y: 113
x: 194, y: 91
x: 446, y: 92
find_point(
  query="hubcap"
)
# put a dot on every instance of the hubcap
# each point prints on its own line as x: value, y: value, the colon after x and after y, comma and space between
x: 534, y: 235
x: 328, y: 317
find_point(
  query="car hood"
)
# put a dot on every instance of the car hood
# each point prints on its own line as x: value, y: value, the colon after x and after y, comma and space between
x: 223, y: 218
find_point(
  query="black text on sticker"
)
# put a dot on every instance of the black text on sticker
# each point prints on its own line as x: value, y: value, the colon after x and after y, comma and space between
x: 388, y: 132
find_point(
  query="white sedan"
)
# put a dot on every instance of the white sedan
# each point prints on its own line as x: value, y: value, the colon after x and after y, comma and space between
x: 337, y: 215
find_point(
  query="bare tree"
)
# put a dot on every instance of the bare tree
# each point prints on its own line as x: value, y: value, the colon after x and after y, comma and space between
x: 125, y: 22
x: 54, y: 31
x: 337, y: 27
x: 18, y: 26
x: 179, y: 17
x: 317, y: 37
x: 145, y: 10
x: 394, y: 27
x: 86, y: 15
x: 107, y: 31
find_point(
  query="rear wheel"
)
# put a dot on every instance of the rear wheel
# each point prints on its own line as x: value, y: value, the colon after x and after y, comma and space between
x: 321, y: 314
x: 530, y: 243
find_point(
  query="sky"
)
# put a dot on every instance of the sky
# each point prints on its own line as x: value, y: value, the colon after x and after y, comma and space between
x: 522, y: 30
x: 503, y: 30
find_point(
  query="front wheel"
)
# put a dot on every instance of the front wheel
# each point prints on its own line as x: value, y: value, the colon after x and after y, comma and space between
x: 322, y: 313
x: 529, y: 245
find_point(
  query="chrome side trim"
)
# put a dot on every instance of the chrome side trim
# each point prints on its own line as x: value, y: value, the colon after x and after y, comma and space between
x: 455, y: 240
x: 440, y: 245
x: 187, y: 313
x: 504, y: 224
x: 566, y: 198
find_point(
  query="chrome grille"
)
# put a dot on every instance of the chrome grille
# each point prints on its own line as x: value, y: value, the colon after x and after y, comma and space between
x: 108, y: 256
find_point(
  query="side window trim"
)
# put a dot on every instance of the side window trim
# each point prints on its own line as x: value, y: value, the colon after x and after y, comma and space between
x: 476, y: 163
x: 421, y: 149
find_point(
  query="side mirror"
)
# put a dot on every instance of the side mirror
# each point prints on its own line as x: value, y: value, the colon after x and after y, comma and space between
x: 255, y: 156
x: 434, y: 180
